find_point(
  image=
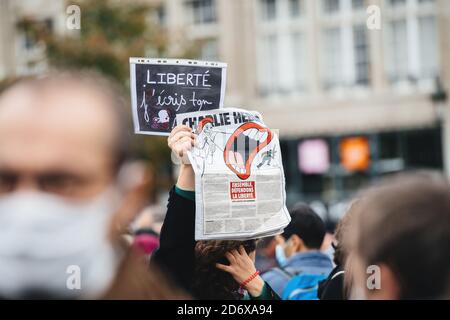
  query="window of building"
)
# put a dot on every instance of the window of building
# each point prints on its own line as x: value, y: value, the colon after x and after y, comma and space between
x: 397, y: 3
x: 428, y: 47
x: 331, y: 6
x: 361, y: 49
x: 268, y: 9
x: 412, y: 50
x: 332, y: 57
x: 295, y: 8
x: 423, y: 149
x: 30, y: 48
x: 358, y: 4
x: 161, y: 15
x: 345, y: 52
x: 209, y: 50
x: 299, y: 58
x: 398, y: 50
x: 30, y: 40
x: 202, y: 11
x: 269, y: 63
x: 282, y: 50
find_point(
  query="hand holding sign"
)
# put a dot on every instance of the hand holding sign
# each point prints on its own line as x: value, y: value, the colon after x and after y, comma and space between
x: 239, y: 177
x: 181, y: 140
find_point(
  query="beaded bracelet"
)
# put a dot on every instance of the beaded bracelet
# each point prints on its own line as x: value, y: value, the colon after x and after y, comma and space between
x: 250, y: 279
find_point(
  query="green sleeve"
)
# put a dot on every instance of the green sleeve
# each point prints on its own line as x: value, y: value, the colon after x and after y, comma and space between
x: 190, y: 195
x: 265, y: 295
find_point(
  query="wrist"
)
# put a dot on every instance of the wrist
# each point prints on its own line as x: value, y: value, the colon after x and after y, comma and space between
x: 186, y: 178
x: 255, y: 287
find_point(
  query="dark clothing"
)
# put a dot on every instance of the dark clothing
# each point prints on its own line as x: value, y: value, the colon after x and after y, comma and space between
x: 333, y: 287
x: 176, y: 254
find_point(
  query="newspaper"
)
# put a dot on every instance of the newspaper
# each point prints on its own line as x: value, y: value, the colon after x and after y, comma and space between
x: 239, y: 177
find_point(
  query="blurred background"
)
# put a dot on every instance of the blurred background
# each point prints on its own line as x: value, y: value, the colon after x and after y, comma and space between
x: 352, y: 104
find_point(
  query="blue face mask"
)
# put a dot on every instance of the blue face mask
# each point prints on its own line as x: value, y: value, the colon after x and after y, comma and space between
x: 280, y: 255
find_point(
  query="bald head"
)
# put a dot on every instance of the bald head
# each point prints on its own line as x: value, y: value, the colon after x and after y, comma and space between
x: 62, y: 129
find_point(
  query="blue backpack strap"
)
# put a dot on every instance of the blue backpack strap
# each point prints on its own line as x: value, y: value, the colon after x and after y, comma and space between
x: 287, y: 273
x: 303, y: 287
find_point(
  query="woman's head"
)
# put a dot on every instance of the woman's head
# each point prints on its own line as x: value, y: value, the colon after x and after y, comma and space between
x: 211, y: 282
x: 403, y: 229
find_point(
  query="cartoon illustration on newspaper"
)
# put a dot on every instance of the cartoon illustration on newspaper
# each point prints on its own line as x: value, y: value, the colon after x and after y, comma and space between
x: 240, y: 187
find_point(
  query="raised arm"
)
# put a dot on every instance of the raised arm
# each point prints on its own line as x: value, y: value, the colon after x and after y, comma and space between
x: 177, y: 242
x: 180, y: 141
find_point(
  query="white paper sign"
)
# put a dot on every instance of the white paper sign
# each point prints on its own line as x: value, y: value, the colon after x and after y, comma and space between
x: 239, y: 177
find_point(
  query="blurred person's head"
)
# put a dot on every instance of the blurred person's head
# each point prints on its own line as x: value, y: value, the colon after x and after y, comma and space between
x: 211, y: 282
x: 304, y: 233
x: 265, y: 254
x: 146, y: 232
x: 64, y: 193
x: 150, y: 218
x: 327, y: 244
x: 266, y: 246
x: 344, y: 226
x: 147, y: 242
x: 343, y: 249
x: 403, y: 229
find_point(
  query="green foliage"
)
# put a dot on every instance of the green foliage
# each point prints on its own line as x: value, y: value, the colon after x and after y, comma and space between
x: 111, y: 32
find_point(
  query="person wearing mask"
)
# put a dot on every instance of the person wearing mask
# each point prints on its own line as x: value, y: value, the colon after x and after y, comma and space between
x: 66, y: 194
x: 401, y: 242
x: 144, y: 236
x: 301, y: 263
x: 205, y: 269
x: 146, y: 241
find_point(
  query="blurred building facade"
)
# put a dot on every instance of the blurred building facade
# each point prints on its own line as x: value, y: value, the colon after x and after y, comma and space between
x: 19, y: 53
x: 354, y: 100
x: 352, y: 104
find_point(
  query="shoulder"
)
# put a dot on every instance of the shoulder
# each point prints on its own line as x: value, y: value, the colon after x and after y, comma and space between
x: 275, y: 273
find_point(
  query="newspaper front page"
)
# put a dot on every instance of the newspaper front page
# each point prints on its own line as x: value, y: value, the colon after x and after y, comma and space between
x: 239, y: 178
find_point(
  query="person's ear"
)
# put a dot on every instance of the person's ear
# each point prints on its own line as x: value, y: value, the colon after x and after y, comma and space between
x: 297, y: 243
x: 134, y: 190
x: 388, y: 288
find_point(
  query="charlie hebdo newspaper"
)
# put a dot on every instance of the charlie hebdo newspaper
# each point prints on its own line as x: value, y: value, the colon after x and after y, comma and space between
x: 239, y: 178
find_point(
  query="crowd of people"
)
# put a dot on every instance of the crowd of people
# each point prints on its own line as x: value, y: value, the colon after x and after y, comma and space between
x: 72, y: 224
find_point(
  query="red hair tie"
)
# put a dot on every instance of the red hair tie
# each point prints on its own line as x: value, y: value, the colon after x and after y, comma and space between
x: 250, y: 279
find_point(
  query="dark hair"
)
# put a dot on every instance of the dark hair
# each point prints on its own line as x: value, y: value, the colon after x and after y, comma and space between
x: 347, y: 223
x: 211, y: 282
x: 307, y: 225
x: 405, y: 224
x: 104, y: 86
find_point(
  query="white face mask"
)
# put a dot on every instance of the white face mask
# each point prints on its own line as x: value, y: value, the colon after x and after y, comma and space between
x: 54, y: 247
x: 280, y: 255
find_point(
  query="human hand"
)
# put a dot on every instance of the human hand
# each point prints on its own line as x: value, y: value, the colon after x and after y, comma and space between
x: 181, y: 140
x: 241, y: 268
